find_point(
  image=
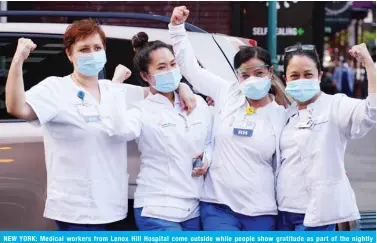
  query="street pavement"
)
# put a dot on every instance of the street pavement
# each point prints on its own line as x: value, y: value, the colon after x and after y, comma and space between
x: 360, y: 160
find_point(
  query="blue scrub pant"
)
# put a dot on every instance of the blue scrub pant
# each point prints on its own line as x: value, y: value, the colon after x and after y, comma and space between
x: 154, y: 224
x: 295, y: 222
x: 63, y: 226
x: 219, y: 217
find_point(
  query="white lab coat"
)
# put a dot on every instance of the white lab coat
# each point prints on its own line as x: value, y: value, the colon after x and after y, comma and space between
x: 256, y: 195
x: 168, y: 140
x: 337, y: 119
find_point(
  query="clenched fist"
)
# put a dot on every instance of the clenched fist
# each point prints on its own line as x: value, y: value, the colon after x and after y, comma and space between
x: 179, y: 15
x: 121, y: 73
x: 24, y: 47
x: 361, y: 53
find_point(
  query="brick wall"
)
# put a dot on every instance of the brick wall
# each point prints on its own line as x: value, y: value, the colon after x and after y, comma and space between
x: 214, y: 17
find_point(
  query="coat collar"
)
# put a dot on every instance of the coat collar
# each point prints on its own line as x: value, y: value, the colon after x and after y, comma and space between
x: 293, y: 108
x: 160, y: 99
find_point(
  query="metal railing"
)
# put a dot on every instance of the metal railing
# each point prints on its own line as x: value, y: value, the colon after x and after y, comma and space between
x: 91, y: 14
x: 368, y: 220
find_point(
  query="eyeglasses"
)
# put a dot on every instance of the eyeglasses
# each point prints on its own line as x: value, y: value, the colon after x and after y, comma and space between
x: 260, y: 70
x: 251, y: 67
x: 299, y: 47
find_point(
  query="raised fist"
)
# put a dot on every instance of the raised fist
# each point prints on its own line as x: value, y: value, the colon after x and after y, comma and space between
x: 121, y: 73
x: 361, y: 53
x: 179, y: 15
x: 24, y: 48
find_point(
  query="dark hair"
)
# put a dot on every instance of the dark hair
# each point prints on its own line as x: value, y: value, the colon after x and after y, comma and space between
x: 312, y: 54
x: 139, y: 40
x: 144, y: 48
x: 247, y: 52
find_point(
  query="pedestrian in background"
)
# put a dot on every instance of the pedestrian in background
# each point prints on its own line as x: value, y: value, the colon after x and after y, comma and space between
x: 344, y: 77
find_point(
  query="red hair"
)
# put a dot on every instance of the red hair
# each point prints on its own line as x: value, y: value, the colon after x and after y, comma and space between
x: 80, y: 30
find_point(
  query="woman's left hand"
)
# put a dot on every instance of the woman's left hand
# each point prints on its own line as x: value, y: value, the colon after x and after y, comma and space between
x: 361, y: 53
x: 187, y: 98
x: 210, y: 101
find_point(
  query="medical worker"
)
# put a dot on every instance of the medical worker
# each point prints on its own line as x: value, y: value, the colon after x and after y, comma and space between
x: 313, y: 190
x: 170, y: 181
x: 239, y: 189
x: 87, y: 179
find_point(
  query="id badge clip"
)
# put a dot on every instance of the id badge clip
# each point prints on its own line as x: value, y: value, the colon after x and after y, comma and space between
x: 305, y: 124
x: 305, y: 120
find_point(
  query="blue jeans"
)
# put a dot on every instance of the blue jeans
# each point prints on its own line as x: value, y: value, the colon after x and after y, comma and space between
x: 219, y: 217
x: 295, y: 222
x: 63, y: 226
x: 155, y: 224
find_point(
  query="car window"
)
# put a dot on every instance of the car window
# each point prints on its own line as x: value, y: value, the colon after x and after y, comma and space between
x: 119, y: 51
x: 49, y: 59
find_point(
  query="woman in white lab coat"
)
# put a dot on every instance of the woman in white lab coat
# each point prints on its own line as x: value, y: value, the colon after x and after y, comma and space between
x: 170, y: 140
x: 313, y: 190
x: 86, y: 168
x: 239, y: 189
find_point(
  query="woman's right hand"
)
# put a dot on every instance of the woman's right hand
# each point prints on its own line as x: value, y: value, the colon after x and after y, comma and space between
x: 24, y: 48
x: 179, y: 15
x: 121, y: 73
x: 201, y: 170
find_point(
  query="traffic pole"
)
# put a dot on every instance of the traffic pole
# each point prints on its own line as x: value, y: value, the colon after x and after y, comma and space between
x: 271, y: 33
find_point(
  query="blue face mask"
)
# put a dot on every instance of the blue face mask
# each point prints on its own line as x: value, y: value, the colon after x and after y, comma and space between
x: 303, y: 89
x: 167, y: 82
x: 90, y: 64
x: 255, y: 88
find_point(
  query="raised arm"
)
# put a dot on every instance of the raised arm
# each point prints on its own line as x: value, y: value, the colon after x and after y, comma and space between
x: 202, y: 80
x: 356, y: 117
x: 129, y: 126
x: 360, y: 52
x: 124, y: 123
x: 15, y: 92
